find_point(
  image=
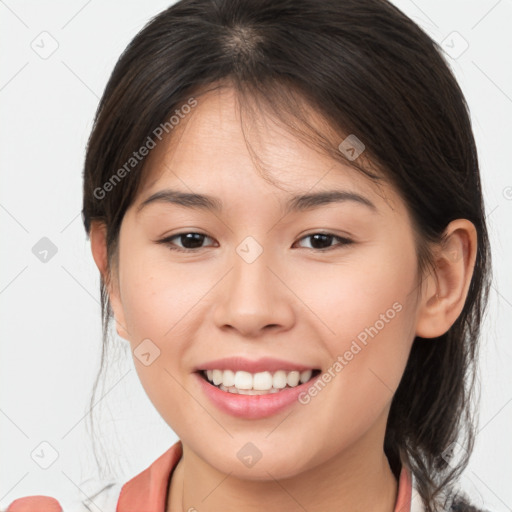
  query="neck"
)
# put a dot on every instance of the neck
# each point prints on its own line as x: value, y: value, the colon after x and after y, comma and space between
x: 351, y: 481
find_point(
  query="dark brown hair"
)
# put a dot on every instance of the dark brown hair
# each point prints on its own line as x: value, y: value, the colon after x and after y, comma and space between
x: 370, y: 71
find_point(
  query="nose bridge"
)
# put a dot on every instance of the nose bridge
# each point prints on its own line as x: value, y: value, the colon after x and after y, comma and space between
x: 250, y: 284
x: 253, y: 298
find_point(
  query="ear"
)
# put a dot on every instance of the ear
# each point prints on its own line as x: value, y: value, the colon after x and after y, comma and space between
x: 446, y: 288
x: 98, y: 237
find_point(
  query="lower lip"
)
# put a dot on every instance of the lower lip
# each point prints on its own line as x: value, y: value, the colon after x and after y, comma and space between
x: 253, y: 406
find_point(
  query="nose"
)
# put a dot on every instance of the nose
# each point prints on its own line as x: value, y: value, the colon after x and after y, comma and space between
x: 254, y: 299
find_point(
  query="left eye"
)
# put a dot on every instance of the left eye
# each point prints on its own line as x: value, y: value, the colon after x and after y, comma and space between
x: 320, y: 240
x: 192, y: 241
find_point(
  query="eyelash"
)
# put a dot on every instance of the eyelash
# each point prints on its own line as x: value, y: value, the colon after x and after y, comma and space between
x: 167, y: 241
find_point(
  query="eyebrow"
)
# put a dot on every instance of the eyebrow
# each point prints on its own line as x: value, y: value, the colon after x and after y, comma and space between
x: 295, y: 204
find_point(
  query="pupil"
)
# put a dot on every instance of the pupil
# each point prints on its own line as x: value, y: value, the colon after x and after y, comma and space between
x: 193, y: 239
x: 315, y: 238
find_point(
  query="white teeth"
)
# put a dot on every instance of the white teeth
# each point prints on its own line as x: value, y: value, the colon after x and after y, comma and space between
x: 305, y: 376
x: 262, y: 381
x: 217, y: 377
x: 243, y: 380
x: 228, y: 378
x: 279, y: 380
x: 293, y: 379
x: 246, y: 383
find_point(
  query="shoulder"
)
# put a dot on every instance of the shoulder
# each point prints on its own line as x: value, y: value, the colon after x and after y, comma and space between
x: 148, y: 486
x: 34, y: 503
x: 91, y: 495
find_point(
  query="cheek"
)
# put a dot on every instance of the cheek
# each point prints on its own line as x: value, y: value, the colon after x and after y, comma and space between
x: 156, y: 294
x: 366, y: 288
x: 370, y: 310
x: 157, y: 300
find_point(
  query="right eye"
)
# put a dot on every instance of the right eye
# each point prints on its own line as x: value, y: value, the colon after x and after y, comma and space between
x: 191, y: 241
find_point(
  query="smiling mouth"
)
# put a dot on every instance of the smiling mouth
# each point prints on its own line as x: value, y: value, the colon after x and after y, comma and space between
x: 261, y: 383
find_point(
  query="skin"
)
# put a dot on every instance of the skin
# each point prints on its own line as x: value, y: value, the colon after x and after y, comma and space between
x: 293, y: 302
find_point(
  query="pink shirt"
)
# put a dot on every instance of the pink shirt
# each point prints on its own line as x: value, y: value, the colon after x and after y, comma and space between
x: 147, y: 491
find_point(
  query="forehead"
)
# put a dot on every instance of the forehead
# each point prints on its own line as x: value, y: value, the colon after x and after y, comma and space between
x: 218, y: 147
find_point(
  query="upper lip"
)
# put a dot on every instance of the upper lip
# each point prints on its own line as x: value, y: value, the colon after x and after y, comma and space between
x: 252, y: 366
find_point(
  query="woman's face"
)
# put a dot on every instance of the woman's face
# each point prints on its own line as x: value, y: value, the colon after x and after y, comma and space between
x: 260, y: 285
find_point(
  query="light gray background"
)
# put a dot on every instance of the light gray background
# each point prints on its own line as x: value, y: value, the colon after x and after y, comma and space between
x: 50, y: 315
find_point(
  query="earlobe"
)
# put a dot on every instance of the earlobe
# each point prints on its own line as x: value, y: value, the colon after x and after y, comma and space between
x: 98, y: 237
x: 446, y: 287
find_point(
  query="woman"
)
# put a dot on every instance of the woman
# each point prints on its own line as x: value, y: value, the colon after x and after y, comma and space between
x: 283, y: 200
